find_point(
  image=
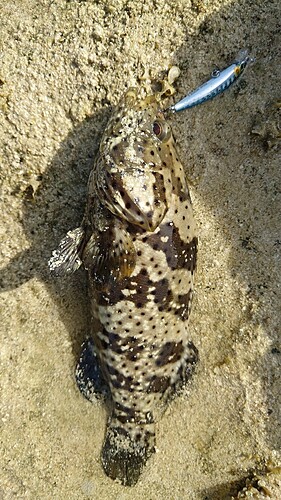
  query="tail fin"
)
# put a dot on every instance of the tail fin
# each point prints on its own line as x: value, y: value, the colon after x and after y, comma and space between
x: 125, y: 452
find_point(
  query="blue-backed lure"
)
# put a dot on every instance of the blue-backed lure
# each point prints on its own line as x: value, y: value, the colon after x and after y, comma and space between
x: 218, y: 83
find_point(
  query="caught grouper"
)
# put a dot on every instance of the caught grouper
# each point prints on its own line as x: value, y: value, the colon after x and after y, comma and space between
x: 138, y: 243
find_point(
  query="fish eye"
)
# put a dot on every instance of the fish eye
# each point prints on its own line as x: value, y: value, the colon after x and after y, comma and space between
x: 157, y: 129
x: 161, y: 129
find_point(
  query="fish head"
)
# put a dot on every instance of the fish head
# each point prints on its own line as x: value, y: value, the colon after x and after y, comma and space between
x: 135, y: 131
x: 134, y: 161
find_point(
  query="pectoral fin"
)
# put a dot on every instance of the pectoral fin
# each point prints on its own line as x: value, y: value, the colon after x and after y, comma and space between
x: 67, y: 258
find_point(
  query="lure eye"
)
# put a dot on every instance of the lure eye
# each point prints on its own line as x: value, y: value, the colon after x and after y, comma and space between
x: 238, y: 70
x: 215, y: 73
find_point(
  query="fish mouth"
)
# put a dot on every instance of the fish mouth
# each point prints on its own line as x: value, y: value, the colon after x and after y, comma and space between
x: 154, y: 100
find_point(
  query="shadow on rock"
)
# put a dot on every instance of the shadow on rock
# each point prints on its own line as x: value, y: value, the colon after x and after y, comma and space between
x: 57, y: 206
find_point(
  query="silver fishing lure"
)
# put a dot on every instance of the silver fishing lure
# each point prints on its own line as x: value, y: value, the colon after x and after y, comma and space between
x: 220, y: 81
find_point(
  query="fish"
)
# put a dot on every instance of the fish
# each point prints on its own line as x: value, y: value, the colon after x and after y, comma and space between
x: 138, y: 242
x: 218, y: 83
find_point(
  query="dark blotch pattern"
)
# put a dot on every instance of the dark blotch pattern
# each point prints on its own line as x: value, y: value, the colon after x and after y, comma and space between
x: 158, y: 384
x: 184, y: 301
x: 159, y: 188
x: 170, y: 353
x: 164, y: 298
x: 179, y: 254
x: 161, y: 295
x: 115, y: 294
x: 118, y: 379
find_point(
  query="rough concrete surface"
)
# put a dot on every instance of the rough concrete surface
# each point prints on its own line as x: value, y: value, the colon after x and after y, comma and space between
x: 63, y: 65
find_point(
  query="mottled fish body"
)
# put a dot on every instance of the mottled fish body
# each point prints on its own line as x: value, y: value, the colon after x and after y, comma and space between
x: 138, y: 242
